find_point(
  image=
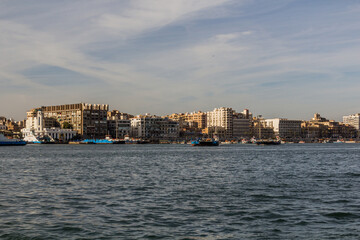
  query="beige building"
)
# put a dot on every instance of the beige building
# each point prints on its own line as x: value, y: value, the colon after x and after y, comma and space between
x: 89, y: 120
x: 320, y: 127
x: 194, y: 119
x: 260, y: 130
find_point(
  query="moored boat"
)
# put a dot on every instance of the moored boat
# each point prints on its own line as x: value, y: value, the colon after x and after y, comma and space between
x: 206, y: 142
x: 4, y: 141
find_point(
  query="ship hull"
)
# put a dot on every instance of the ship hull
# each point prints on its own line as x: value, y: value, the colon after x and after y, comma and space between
x: 20, y: 143
x: 205, y: 143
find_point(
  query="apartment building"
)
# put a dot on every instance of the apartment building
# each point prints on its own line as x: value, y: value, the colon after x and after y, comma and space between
x: 353, y: 120
x: 221, y: 117
x: 284, y: 128
x: 154, y: 127
x: 119, y: 124
x: 88, y: 120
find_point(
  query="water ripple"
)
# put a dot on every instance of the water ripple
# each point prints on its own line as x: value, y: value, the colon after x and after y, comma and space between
x: 180, y: 192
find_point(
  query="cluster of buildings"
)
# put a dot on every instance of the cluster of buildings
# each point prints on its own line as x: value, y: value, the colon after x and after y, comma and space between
x: 96, y: 121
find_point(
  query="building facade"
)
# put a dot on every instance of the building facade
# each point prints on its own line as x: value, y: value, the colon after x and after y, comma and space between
x: 236, y: 125
x: 88, y: 120
x: 36, y: 129
x: 221, y: 117
x: 154, y: 127
x: 119, y: 124
x: 353, y: 120
x: 320, y: 127
x: 284, y: 128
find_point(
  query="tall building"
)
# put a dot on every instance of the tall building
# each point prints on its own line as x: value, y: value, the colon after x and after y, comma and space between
x: 241, y: 124
x: 221, y: 117
x: 89, y: 120
x: 353, y: 120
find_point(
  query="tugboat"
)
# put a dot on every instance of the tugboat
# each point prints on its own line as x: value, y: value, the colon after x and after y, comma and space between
x: 207, y: 142
x: 4, y: 141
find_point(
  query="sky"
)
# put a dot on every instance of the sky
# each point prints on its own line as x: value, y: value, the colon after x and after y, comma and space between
x: 281, y: 58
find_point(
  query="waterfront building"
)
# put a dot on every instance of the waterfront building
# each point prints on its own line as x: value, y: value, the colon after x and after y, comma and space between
x: 88, y: 120
x: 190, y: 124
x: 10, y: 125
x: 284, y: 128
x: 353, y: 120
x: 221, y: 117
x: 320, y: 127
x: 37, y: 128
x: 154, y: 127
x: 194, y: 119
x: 259, y: 129
x: 119, y: 124
x: 241, y: 124
x: 236, y: 125
x: 197, y: 119
x: 215, y: 132
x: 115, y: 114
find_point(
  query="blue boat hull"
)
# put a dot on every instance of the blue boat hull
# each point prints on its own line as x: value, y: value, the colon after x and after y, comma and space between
x: 205, y: 143
x: 20, y: 143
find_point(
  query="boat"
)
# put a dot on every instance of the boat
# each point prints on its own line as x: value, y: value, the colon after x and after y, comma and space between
x: 4, y: 141
x: 207, y: 142
x: 96, y: 141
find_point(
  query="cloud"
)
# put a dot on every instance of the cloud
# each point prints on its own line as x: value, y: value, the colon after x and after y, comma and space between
x: 161, y: 53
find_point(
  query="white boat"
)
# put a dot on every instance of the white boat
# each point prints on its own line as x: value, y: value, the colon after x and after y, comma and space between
x: 4, y: 141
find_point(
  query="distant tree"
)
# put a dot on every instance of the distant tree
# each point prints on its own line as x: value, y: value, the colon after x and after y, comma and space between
x: 67, y: 125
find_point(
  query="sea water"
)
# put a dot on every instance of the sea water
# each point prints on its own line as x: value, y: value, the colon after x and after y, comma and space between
x: 291, y: 191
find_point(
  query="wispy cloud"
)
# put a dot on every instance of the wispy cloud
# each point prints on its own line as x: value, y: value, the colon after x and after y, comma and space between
x: 177, y: 55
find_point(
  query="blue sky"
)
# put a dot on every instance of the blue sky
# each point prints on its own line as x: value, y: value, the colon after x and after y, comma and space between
x: 284, y: 58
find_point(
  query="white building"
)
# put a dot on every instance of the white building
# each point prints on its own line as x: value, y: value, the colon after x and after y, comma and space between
x: 154, y: 127
x: 283, y: 127
x: 235, y: 124
x: 353, y: 120
x: 35, y: 129
x: 221, y: 117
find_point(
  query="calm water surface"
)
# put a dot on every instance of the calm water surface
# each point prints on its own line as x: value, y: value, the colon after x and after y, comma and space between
x: 295, y: 191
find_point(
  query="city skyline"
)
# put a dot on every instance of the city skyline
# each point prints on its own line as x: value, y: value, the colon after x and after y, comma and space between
x: 280, y: 59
